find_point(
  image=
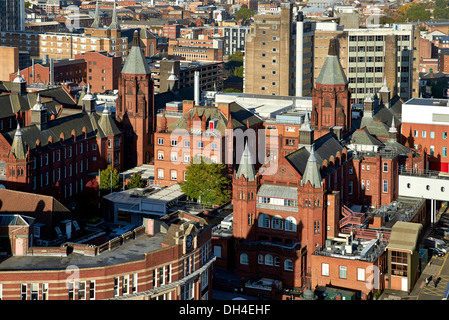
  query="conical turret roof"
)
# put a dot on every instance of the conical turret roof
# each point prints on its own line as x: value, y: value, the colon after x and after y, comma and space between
x: 332, y: 72
x: 312, y: 171
x: 246, y: 166
x: 18, y: 147
x: 136, y: 62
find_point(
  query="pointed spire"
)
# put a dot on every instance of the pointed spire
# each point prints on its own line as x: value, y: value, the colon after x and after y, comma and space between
x: 305, y: 126
x: 18, y: 147
x: 38, y: 105
x: 106, y: 111
x: 246, y: 166
x: 97, y: 22
x: 19, y: 78
x: 114, y: 23
x: 384, y: 87
x: 172, y: 76
x: 369, y: 97
x: 312, y: 171
x: 392, y: 127
x: 88, y: 95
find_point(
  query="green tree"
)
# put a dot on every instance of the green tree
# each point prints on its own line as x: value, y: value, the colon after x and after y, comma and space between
x: 413, y: 12
x: 232, y: 90
x: 109, y: 177
x: 205, y: 182
x: 441, y: 9
x: 238, y: 72
x: 243, y: 13
x: 236, y: 56
x: 136, y: 181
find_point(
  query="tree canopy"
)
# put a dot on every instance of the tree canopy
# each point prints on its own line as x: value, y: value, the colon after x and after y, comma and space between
x: 413, y: 12
x: 205, y: 182
x: 441, y: 9
x: 136, y: 181
x: 107, y: 176
x: 243, y: 13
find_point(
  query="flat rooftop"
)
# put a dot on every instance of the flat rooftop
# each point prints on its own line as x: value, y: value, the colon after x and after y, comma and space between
x: 133, y: 250
x: 427, y: 102
x: 135, y: 196
x: 353, y: 249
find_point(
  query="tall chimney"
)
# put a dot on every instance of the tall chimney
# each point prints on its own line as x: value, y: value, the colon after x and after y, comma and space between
x: 197, y: 88
x: 299, y: 53
x: 52, y: 72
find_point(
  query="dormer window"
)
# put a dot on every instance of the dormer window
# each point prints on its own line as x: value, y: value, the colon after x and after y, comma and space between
x: 213, y: 125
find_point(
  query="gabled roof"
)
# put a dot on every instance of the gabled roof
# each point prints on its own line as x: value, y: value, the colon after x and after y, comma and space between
x: 363, y: 137
x: 325, y: 147
x: 239, y: 117
x: 107, y: 123
x: 54, y: 129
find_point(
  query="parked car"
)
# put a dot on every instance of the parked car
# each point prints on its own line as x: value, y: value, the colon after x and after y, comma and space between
x: 437, y: 252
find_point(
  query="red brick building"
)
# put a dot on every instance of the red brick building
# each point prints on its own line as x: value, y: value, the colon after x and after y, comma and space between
x: 443, y: 60
x: 331, y: 96
x: 63, y: 71
x: 102, y: 70
x: 188, y: 130
x: 171, y: 265
x: 289, y: 208
x: 54, y: 155
x: 135, y: 107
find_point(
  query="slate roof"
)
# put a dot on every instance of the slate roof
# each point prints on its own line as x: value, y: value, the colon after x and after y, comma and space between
x: 325, y: 147
x: 209, y: 112
x: 275, y: 191
x: 136, y: 62
x: 52, y: 99
x: 379, y: 124
x: 55, y: 127
x: 239, y: 117
x: 332, y: 72
x: 363, y: 137
x: 107, y: 124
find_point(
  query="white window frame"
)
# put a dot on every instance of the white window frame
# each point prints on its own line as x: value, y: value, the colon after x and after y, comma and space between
x: 343, y: 270
x: 325, y: 269
x: 361, y: 274
x: 244, y: 259
x: 269, y: 260
x: 288, y: 265
x: 134, y: 279
x: 81, y: 292
x: 116, y: 286
x: 160, y: 173
x: 125, y: 284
